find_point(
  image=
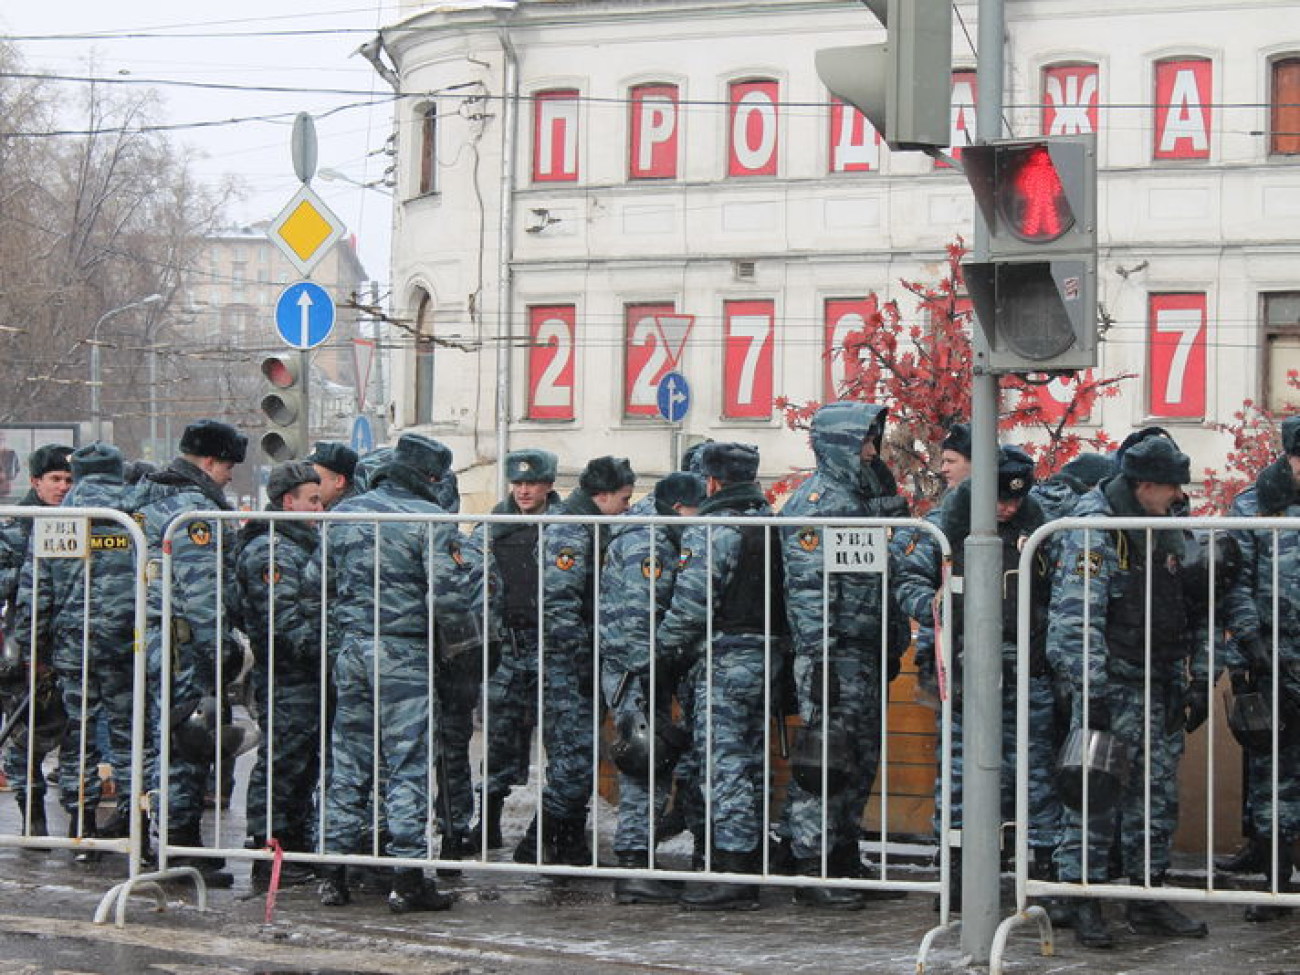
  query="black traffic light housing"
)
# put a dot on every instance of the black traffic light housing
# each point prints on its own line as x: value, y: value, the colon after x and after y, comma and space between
x: 1036, y: 296
x: 283, y: 407
x: 903, y: 86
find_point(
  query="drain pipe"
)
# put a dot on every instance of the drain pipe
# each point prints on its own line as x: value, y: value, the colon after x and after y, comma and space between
x: 505, y: 252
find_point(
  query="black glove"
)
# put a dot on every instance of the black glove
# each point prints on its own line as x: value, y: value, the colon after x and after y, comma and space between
x: 1196, y: 705
x: 1098, y: 715
x: 832, y: 686
x: 1256, y: 653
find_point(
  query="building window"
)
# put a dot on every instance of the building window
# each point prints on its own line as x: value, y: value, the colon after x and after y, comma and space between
x: 1176, y: 350
x: 1281, y: 349
x: 1070, y: 96
x: 1184, y: 96
x: 555, y: 136
x: 754, y: 119
x: 424, y: 359
x: 428, y: 149
x: 652, y: 128
x: 1284, y: 110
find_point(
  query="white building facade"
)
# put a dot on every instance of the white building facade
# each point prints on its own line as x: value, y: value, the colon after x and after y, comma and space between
x: 577, y: 180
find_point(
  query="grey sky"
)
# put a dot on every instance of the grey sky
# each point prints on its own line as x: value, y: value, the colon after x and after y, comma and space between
x: 244, y: 43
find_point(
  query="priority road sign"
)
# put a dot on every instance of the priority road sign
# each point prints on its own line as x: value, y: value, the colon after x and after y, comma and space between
x: 305, y: 230
x: 304, y: 315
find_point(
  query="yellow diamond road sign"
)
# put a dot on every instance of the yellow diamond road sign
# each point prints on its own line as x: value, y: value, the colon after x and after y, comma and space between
x: 305, y: 230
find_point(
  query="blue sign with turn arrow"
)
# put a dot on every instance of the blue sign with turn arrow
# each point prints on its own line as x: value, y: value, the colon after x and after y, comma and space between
x: 673, y: 396
x: 304, y: 315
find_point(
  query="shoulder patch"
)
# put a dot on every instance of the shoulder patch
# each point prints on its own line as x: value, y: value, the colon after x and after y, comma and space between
x: 566, y: 559
x: 200, y: 532
x: 650, y: 567
x: 815, y: 497
x: 911, y: 546
x: 269, y: 576
x: 684, y: 558
x: 457, y: 555
x: 1089, y: 563
x: 809, y: 539
x: 139, y: 519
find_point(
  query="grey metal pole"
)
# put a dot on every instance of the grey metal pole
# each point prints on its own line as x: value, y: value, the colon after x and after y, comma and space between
x: 505, y: 251
x: 152, y: 452
x: 982, y: 652
x: 304, y: 418
x: 97, y: 418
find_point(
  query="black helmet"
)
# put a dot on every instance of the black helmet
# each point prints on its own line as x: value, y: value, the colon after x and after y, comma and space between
x: 806, y: 759
x: 1205, y: 548
x: 630, y: 748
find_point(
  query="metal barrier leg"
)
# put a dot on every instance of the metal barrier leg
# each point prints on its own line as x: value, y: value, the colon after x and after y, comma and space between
x: 151, y: 883
x: 931, y: 936
x: 1046, y: 940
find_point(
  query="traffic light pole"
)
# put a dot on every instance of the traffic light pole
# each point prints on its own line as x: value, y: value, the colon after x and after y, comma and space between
x: 982, y: 655
x: 304, y: 418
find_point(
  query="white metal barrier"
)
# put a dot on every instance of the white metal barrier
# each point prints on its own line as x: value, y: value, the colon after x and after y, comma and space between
x: 1193, y: 887
x: 59, y: 587
x: 222, y: 527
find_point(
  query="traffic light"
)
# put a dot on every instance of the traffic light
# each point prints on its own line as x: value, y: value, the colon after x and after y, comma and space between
x: 284, y: 409
x: 904, y: 86
x: 1036, y: 296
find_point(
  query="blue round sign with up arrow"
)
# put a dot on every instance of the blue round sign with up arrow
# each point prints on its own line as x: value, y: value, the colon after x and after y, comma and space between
x: 673, y: 397
x: 304, y: 315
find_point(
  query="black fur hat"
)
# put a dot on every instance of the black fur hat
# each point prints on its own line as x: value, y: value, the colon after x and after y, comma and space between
x: 424, y: 454
x: 1015, y: 472
x: 212, y: 438
x: 605, y: 474
x: 285, y: 477
x: 1157, y: 459
x: 681, y: 487
x: 958, y: 439
x: 96, y: 458
x: 731, y: 463
x: 51, y: 457
x: 333, y: 456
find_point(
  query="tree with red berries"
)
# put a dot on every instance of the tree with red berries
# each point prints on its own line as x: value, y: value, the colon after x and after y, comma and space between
x: 922, y: 368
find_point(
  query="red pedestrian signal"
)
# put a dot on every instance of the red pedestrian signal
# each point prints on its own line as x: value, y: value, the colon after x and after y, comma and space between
x: 1035, y: 296
x: 1031, y: 197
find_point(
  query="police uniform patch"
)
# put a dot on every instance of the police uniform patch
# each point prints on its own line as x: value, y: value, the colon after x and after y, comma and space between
x: 1089, y: 564
x: 684, y: 558
x: 200, y: 532
x: 809, y: 539
x: 269, y: 576
x: 650, y: 567
x: 815, y: 497
x: 566, y: 559
x: 911, y: 547
x: 139, y: 519
x: 457, y: 555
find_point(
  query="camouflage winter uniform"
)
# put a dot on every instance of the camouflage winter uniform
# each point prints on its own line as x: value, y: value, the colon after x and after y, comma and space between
x: 729, y: 723
x: 383, y: 678
x: 1252, y: 621
x: 203, y: 559
x: 280, y: 612
x: 636, y: 585
x: 1099, y: 596
x: 845, y: 622
x: 512, y: 689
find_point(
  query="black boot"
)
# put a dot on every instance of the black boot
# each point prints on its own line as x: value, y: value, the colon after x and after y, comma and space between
x: 846, y: 861
x: 454, y: 847
x: 831, y: 898
x: 333, y: 888
x: 1059, y: 911
x: 489, y: 818
x: 1162, y: 918
x: 569, y: 842
x: 1260, y: 913
x: 716, y: 895
x: 37, y: 826
x: 1090, y: 927
x: 412, y: 891
x: 526, y: 849
x: 1251, y: 858
x: 211, y: 869
x: 642, y: 890
x: 89, y: 831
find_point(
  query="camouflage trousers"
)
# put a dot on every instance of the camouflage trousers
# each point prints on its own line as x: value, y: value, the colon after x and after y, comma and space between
x: 567, y: 719
x: 511, y: 713
x: 729, y: 738
x: 1128, y: 720
x: 856, y: 713
x: 399, y: 705
x: 1260, y: 798
x: 632, y: 835
x: 458, y: 684
x: 288, y: 713
x: 1045, y: 736
x: 187, y: 775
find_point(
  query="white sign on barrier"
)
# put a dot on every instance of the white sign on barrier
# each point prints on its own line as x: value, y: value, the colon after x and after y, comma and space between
x: 61, y: 538
x: 857, y: 549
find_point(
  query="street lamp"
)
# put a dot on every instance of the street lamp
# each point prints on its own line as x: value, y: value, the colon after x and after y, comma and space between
x: 97, y: 419
x: 335, y: 176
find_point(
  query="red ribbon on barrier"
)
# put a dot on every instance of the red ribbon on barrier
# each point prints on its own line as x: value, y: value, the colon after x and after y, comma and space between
x: 277, y: 852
